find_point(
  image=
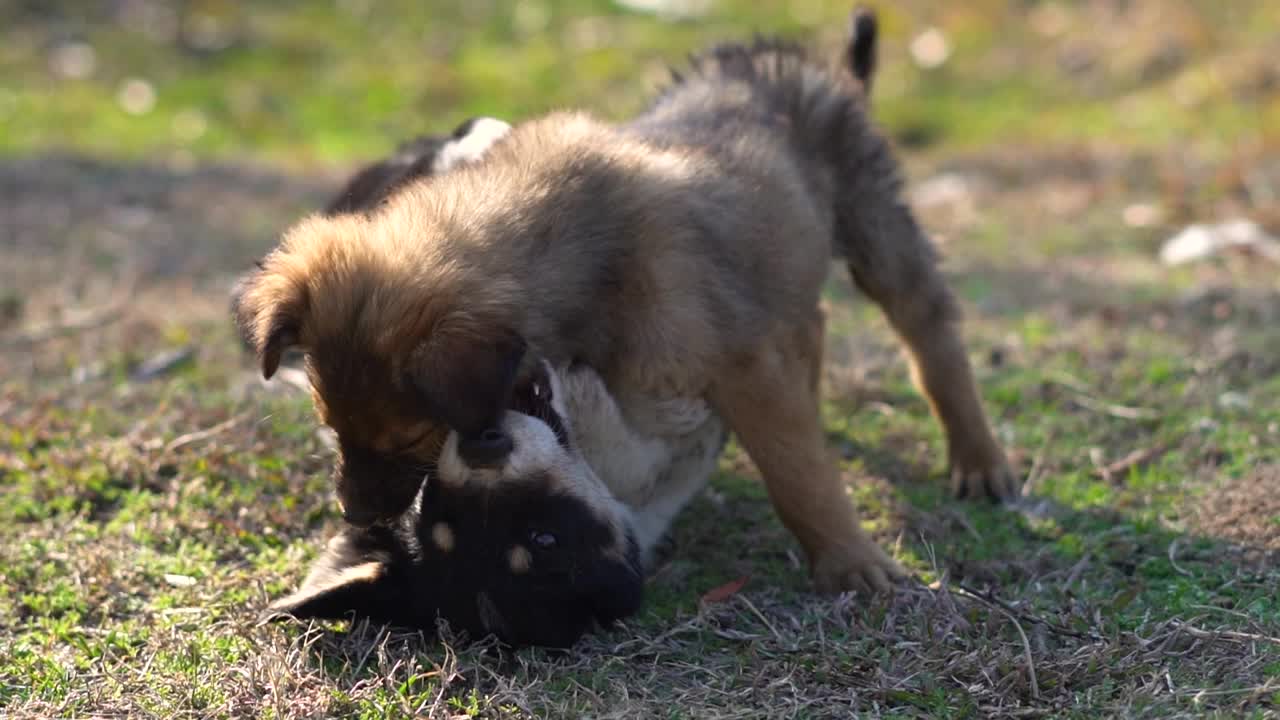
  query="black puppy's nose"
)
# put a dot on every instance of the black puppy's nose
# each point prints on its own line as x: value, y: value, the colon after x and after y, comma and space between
x: 488, y: 448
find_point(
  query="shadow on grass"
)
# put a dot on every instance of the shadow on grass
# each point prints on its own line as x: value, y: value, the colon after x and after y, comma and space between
x: 76, y: 217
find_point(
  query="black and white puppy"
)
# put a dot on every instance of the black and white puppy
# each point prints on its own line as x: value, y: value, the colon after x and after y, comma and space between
x: 507, y: 551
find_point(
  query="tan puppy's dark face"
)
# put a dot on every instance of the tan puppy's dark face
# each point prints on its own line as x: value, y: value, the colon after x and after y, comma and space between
x: 392, y: 394
x: 392, y: 422
x: 392, y: 385
x: 386, y: 442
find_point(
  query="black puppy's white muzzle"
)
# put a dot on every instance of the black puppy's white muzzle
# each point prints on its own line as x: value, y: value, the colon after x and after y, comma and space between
x: 489, y: 448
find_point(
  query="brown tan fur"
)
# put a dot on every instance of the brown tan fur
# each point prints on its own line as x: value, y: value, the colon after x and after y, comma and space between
x: 680, y: 255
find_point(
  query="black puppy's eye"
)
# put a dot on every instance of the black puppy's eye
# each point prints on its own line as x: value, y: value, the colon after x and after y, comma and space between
x: 543, y: 540
x: 541, y: 391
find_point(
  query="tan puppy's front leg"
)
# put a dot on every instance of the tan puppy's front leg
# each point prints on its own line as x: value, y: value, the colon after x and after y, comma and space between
x: 769, y: 401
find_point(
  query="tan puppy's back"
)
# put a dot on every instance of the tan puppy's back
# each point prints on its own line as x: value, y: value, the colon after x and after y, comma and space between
x: 651, y: 264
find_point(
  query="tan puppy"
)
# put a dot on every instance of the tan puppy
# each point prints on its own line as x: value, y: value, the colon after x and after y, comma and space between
x: 680, y: 255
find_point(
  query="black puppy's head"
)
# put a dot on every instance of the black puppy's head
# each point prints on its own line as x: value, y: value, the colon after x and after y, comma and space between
x: 534, y: 551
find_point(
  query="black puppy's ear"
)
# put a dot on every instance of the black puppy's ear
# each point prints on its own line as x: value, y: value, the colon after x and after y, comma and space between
x: 343, y: 583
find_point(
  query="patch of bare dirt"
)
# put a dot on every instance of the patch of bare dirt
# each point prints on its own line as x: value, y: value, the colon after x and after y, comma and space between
x: 1243, y: 510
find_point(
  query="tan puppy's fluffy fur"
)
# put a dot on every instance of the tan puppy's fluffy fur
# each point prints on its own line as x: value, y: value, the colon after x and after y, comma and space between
x: 680, y: 255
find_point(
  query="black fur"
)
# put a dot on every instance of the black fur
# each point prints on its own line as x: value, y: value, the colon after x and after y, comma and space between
x: 411, y: 160
x: 375, y: 183
x: 862, y: 52
x: 566, y: 589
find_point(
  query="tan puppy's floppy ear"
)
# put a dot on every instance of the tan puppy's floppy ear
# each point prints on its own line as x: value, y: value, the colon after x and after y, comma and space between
x: 465, y: 375
x: 268, y: 309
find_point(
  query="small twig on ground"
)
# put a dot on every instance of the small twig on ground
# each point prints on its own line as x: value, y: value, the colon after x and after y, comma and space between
x: 1070, y: 382
x: 1053, y: 627
x: 1087, y: 401
x: 1037, y: 466
x: 1123, y: 412
x: 1077, y: 570
x: 1026, y: 650
x: 1173, y: 552
x: 691, y: 625
x: 777, y: 635
x: 1207, y: 692
x: 1133, y: 459
x: 993, y: 711
x: 1013, y: 614
x: 163, y: 364
x: 379, y: 639
x: 1227, y: 611
x: 1203, y: 634
x: 200, y: 435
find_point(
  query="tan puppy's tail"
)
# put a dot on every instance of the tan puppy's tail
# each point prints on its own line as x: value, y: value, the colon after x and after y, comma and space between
x: 861, y: 54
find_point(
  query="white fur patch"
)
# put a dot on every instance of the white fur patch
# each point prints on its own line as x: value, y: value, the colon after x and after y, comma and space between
x: 483, y: 134
x: 450, y: 469
x: 537, y: 449
x: 653, y: 475
x: 519, y: 558
x: 324, y: 579
x: 624, y: 460
x: 442, y: 536
x: 538, y: 453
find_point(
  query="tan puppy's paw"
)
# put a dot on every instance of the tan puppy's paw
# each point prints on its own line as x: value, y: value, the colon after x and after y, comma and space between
x: 861, y: 567
x: 983, y: 474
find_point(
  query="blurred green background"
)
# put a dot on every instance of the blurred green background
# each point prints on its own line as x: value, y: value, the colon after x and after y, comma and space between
x: 300, y: 83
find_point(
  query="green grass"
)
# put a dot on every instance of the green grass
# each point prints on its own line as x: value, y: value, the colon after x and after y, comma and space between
x: 143, y: 524
x: 304, y: 82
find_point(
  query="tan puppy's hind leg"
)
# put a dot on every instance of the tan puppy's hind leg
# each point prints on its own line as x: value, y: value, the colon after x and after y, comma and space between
x: 768, y: 400
x: 926, y: 321
x: 893, y: 262
x: 941, y: 370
